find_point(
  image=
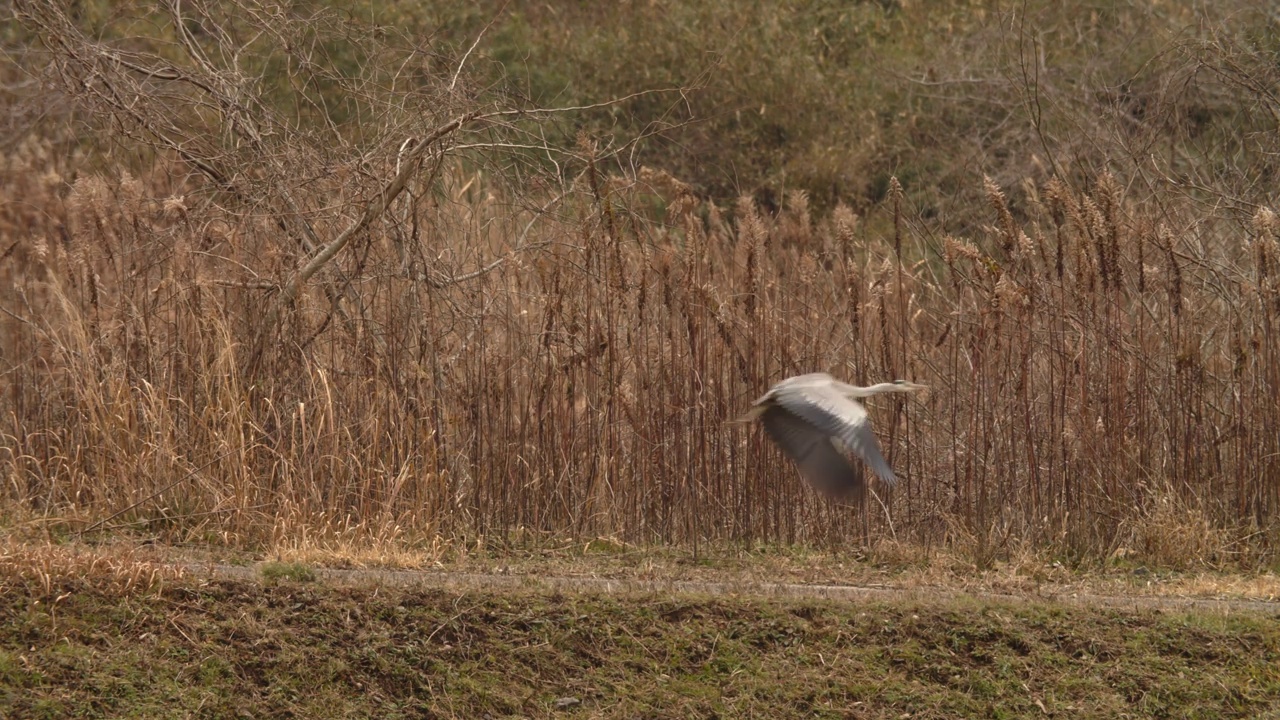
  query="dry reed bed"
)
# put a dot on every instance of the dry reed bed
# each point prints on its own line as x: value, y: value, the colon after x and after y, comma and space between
x: 1103, y: 376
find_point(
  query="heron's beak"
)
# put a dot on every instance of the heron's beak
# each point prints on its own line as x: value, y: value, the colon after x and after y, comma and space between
x: 914, y: 386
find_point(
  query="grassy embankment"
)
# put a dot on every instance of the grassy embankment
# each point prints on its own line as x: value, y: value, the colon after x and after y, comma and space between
x: 135, y: 639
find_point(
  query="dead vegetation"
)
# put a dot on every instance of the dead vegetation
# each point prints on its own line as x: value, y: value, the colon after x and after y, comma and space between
x: 296, y: 328
x: 124, y: 569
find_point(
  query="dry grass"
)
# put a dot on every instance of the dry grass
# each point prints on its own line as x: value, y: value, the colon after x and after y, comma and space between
x: 1099, y: 381
x: 41, y: 569
x: 507, y: 352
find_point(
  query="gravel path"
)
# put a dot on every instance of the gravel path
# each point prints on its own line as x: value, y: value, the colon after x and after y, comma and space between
x: 466, y: 581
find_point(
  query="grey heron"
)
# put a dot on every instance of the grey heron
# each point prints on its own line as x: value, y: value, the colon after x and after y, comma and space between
x: 811, y: 417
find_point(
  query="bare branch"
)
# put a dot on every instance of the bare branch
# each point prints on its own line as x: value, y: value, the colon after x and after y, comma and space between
x: 579, y: 108
x: 462, y: 63
x: 375, y: 207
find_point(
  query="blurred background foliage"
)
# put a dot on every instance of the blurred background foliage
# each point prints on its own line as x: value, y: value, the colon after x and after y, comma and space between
x: 833, y: 98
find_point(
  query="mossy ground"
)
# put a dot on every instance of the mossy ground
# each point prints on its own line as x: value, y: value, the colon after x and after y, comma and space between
x: 76, y: 648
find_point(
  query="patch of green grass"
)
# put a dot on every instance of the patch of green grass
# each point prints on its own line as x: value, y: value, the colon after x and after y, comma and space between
x: 310, y: 650
x: 297, y: 572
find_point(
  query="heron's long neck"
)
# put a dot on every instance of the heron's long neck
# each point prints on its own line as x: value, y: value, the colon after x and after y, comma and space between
x: 866, y: 392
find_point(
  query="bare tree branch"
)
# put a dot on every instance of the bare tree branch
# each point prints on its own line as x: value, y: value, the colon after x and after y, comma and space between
x: 375, y: 208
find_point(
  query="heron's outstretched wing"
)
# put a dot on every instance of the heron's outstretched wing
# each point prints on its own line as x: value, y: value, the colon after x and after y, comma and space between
x: 838, y: 416
x: 820, y: 463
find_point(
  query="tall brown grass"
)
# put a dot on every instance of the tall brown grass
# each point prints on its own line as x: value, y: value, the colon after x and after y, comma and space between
x: 1102, y: 369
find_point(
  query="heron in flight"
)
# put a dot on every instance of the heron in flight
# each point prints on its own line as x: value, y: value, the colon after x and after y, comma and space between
x: 813, y: 417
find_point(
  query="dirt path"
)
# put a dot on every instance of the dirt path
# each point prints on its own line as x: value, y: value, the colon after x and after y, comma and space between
x: 470, y: 581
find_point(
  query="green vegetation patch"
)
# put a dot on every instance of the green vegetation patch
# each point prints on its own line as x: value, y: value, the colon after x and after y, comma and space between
x: 297, y: 572
x: 227, y: 649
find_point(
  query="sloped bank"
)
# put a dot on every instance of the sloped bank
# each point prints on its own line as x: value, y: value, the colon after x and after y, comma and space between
x: 245, y: 648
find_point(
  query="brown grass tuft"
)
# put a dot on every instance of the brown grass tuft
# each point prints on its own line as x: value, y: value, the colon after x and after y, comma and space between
x: 1178, y: 535
x: 49, y: 571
